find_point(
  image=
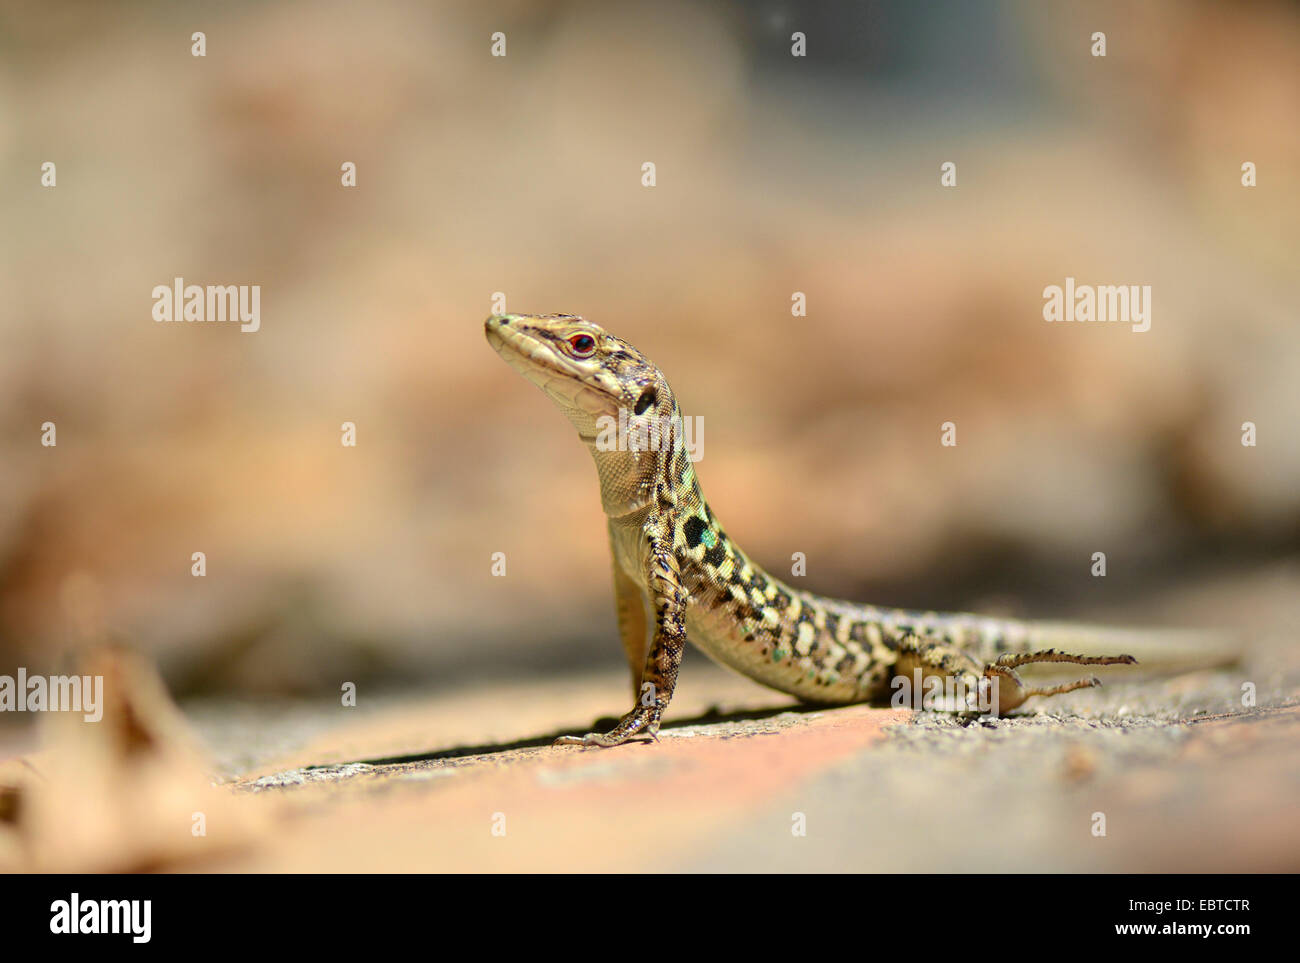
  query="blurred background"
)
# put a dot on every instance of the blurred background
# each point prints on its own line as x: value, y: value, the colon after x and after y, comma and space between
x: 522, y: 175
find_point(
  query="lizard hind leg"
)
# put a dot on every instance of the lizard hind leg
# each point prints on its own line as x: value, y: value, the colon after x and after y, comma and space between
x: 939, y: 676
x: 1011, y: 691
x: 993, y: 688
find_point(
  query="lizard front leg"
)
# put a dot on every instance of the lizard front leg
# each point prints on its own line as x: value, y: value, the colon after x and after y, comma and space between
x: 659, y: 675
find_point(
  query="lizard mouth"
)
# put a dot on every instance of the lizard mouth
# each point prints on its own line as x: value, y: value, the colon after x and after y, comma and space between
x: 524, y: 352
x: 561, y: 379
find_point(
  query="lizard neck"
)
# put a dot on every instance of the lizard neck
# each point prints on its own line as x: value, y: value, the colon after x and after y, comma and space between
x: 641, y: 461
x: 627, y: 480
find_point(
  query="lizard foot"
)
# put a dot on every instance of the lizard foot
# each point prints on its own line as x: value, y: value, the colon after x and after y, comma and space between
x: 1011, y: 690
x: 640, y: 724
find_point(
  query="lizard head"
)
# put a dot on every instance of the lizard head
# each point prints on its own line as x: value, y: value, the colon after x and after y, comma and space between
x: 586, y: 371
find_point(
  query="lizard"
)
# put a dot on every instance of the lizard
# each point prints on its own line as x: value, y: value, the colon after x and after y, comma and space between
x: 678, y: 575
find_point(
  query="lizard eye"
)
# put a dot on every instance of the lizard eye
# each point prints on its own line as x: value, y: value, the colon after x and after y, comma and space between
x: 584, y: 345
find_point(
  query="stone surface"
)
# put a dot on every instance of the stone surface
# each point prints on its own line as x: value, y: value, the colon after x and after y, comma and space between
x: 1185, y: 777
x: 1179, y: 770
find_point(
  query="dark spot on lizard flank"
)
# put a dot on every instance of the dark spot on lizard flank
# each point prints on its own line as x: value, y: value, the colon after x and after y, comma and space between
x: 643, y: 403
x: 781, y: 602
x: 693, y: 530
x: 715, y: 555
x: 758, y: 581
x: 845, y: 665
x: 832, y: 624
